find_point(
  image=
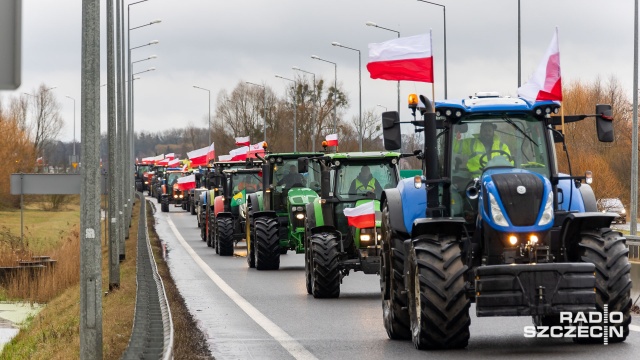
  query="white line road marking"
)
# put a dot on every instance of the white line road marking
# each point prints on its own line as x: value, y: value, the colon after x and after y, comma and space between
x: 634, y: 328
x: 288, y: 343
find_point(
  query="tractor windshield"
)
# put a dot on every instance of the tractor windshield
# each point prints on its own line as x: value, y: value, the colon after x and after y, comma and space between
x: 142, y: 169
x: 482, y: 142
x: 286, y: 176
x: 356, y: 180
x: 246, y: 182
x: 172, y: 178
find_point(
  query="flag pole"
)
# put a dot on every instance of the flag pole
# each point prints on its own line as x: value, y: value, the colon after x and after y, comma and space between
x: 561, y: 92
x: 433, y: 80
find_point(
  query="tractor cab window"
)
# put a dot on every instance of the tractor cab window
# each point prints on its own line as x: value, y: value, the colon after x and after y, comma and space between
x: 286, y: 176
x: 479, y: 143
x: 142, y: 169
x: 247, y: 183
x: 172, y: 178
x: 356, y: 180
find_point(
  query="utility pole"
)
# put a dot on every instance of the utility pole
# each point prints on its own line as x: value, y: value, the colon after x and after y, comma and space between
x: 90, y: 244
x: 114, y: 250
x: 634, y: 135
x: 121, y: 131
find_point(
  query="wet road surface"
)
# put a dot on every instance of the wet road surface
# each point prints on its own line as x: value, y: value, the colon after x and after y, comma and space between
x: 250, y: 314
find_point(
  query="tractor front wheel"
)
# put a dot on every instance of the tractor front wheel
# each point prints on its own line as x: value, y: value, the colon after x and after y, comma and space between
x: 266, y: 244
x: 394, y: 297
x: 438, y: 306
x: 224, y: 236
x: 606, y: 250
x: 164, y: 205
x: 325, y: 274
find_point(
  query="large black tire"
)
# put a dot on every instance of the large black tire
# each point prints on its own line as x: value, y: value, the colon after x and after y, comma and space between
x: 307, y: 270
x: 606, y: 250
x: 192, y: 208
x: 394, y: 296
x: 164, y: 205
x: 325, y: 274
x: 438, y: 306
x: 224, y: 236
x: 266, y: 243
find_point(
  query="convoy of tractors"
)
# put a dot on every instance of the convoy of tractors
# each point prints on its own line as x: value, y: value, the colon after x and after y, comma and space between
x: 501, y: 228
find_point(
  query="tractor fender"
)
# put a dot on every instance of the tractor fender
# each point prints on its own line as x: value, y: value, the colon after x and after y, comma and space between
x: 254, y: 203
x: 442, y: 226
x: 268, y: 214
x: 218, y: 204
x: 325, y: 229
x: 394, y: 202
x: 315, y: 218
x: 413, y: 202
x: 575, y: 223
x: 224, y: 215
x: 588, y: 198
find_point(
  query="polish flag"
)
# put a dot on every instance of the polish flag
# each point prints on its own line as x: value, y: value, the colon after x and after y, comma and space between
x: 332, y: 140
x: 546, y: 82
x: 163, y: 162
x: 239, y: 153
x: 173, y: 163
x: 156, y: 160
x: 243, y: 141
x: 39, y: 160
x: 362, y: 216
x: 409, y: 58
x: 225, y: 157
x: 198, y: 157
x: 211, y: 153
x: 255, y: 149
x: 187, y: 182
x: 170, y: 156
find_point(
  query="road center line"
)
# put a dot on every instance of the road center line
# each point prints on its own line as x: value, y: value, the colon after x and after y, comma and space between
x: 288, y: 343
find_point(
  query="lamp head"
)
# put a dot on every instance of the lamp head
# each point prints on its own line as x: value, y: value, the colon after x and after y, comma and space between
x: 335, y: 43
x: 315, y: 57
x: 152, y: 69
x: 156, y: 21
x: 153, y: 56
x: 154, y: 42
x: 371, y: 23
x: 295, y: 68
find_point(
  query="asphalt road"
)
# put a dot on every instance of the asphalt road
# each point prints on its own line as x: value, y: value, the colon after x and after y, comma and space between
x: 250, y: 314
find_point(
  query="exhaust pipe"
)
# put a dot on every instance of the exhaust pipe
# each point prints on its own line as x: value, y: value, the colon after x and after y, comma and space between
x: 474, y: 189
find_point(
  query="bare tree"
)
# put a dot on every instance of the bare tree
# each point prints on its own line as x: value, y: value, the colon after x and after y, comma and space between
x: 47, y: 122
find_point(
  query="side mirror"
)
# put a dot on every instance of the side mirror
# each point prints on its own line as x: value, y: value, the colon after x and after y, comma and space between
x: 303, y: 165
x: 604, y: 123
x: 216, y: 181
x: 391, y: 130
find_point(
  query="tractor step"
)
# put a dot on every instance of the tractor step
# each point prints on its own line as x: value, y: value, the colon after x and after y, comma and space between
x: 534, y: 289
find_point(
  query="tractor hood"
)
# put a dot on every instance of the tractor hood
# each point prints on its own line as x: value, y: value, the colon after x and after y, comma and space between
x: 516, y: 200
x: 301, y: 196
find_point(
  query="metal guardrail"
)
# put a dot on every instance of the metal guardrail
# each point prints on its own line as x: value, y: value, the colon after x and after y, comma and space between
x: 633, y: 244
x: 152, y: 335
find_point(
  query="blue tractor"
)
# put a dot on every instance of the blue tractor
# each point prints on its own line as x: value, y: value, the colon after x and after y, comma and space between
x: 500, y: 228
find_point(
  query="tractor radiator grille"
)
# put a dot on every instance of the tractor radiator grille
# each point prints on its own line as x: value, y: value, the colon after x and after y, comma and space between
x: 522, y: 209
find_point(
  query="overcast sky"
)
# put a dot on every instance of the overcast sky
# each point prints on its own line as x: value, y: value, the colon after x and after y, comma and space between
x: 215, y: 44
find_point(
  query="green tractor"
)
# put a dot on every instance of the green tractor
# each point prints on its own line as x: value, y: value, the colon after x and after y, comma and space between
x: 214, y: 170
x: 333, y: 247
x: 276, y: 214
x: 229, y: 208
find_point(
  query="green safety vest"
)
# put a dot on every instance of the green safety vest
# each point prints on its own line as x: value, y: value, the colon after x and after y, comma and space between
x: 371, y: 186
x: 476, y: 149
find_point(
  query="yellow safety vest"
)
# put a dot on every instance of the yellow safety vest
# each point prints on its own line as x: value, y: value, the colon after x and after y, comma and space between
x: 476, y: 149
x: 371, y: 186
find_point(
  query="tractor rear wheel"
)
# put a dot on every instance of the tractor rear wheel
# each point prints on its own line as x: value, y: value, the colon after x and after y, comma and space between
x: 192, y: 208
x: 224, y: 236
x: 266, y: 243
x: 606, y: 250
x: 394, y: 296
x: 164, y: 205
x: 325, y: 274
x: 438, y: 306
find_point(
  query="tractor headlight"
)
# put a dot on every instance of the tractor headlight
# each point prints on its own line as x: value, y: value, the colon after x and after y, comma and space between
x: 496, y: 213
x: 181, y: 196
x: 175, y: 196
x: 146, y: 183
x: 365, y: 237
x: 623, y: 211
x: 300, y: 208
x: 300, y: 216
x: 547, y: 214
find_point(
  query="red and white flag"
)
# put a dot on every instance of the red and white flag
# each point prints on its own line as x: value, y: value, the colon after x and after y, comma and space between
x: 243, y: 141
x: 157, y: 159
x: 409, y: 58
x: 173, y: 163
x: 546, y: 82
x: 198, y: 157
x: 239, y: 153
x: 225, y: 157
x: 170, y: 156
x: 332, y: 140
x: 362, y: 216
x: 187, y: 182
x: 39, y: 160
x: 211, y: 153
x: 163, y: 162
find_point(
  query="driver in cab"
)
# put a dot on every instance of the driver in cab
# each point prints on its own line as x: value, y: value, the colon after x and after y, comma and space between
x: 480, y: 149
x: 364, y: 183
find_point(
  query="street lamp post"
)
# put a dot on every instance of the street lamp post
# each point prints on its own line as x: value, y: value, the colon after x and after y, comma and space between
x: 371, y: 23
x: 315, y: 111
x: 335, y: 92
x: 295, y: 110
x: 359, y: 90
x: 264, y: 118
x: 444, y: 13
x: 208, y: 119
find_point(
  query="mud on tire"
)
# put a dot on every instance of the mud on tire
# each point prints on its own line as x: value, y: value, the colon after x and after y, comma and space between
x: 438, y: 306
